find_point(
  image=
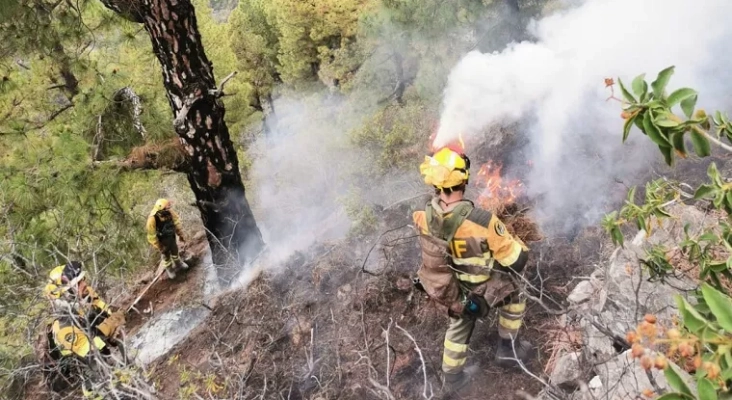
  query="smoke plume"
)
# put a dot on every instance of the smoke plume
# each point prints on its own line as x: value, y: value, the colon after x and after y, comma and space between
x: 300, y: 169
x: 554, y: 84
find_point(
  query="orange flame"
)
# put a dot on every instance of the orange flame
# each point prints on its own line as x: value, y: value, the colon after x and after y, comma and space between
x: 495, y: 193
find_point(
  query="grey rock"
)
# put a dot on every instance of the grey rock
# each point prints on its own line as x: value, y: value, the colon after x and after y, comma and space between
x: 630, y: 292
x: 598, y: 347
x: 566, y: 370
x: 581, y: 293
x: 344, y: 291
x: 595, y: 386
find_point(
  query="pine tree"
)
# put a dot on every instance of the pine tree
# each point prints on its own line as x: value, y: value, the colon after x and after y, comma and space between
x: 199, y: 113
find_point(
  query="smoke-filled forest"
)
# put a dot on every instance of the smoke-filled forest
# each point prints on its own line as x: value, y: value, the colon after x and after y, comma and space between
x: 236, y: 199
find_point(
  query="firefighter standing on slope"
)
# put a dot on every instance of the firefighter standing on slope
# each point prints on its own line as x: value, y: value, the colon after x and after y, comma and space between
x: 163, y: 225
x: 467, y: 256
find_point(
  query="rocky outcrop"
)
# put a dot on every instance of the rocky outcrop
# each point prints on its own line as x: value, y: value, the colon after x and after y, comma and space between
x: 614, y: 301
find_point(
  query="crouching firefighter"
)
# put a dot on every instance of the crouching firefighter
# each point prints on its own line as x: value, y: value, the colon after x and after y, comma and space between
x: 467, y: 258
x: 70, y: 293
x: 163, y: 225
x: 81, y: 319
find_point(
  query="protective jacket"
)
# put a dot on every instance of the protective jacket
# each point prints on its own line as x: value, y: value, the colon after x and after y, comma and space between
x: 76, y: 295
x: 460, y: 250
x: 163, y: 224
x: 66, y: 338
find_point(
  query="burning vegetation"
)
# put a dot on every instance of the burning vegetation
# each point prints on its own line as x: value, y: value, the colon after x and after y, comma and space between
x: 496, y: 194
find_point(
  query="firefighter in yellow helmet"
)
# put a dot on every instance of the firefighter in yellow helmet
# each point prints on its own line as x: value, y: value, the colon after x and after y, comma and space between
x: 79, y: 314
x: 67, y: 288
x: 467, y: 256
x: 163, y: 224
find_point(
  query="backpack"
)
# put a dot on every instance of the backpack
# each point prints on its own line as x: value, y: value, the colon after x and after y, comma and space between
x: 436, y: 273
x: 164, y: 226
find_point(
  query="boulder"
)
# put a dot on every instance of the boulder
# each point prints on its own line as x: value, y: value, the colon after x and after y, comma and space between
x: 616, y: 297
x: 581, y: 293
x: 595, y: 386
x: 597, y: 346
x: 567, y: 370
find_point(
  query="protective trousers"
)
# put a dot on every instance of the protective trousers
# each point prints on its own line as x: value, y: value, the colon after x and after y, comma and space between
x: 169, y: 250
x: 510, y: 314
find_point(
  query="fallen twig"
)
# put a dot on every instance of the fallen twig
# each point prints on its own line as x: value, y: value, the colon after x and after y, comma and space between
x: 424, y: 367
x: 363, y: 266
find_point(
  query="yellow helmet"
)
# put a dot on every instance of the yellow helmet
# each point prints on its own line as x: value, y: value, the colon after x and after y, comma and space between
x: 162, y: 204
x: 445, y: 169
x: 64, y: 278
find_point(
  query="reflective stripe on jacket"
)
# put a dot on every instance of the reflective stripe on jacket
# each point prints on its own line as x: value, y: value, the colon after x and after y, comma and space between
x: 478, y: 241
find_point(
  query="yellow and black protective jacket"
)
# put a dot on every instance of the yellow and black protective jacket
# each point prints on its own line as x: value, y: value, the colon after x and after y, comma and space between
x: 162, y: 224
x: 68, y: 339
x: 56, y: 290
x: 477, y: 242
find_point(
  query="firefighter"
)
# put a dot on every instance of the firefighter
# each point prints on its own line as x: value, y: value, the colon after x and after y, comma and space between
x: 467, y: 258
x: 67, y: 288
x: 66, y: 339
x: 72, y: 297
x: 163, y: 225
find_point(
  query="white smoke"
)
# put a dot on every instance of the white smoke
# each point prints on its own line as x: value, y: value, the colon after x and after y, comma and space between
x: 300, y: 170
x: 555, y: 85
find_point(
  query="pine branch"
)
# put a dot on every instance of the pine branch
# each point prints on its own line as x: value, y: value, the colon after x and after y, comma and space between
x: 131, y: 10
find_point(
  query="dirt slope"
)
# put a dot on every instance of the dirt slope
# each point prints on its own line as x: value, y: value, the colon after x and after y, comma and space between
x: 317, y: 328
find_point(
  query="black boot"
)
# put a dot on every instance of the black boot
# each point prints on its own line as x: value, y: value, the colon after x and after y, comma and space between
x: 505, y: 356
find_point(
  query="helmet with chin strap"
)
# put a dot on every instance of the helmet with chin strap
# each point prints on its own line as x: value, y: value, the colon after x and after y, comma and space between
x: 445, y: 169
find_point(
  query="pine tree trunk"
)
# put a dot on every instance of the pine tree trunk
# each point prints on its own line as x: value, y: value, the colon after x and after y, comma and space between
x: 198, y: 111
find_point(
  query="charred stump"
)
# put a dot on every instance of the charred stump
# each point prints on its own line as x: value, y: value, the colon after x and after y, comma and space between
x: 198, y: 113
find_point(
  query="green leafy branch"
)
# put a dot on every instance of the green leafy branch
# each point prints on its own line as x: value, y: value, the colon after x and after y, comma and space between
x: 659, y: 194
x: 704, y: 343
x: 651, y: 111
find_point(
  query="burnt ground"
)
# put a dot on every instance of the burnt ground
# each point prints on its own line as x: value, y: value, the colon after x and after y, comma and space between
x: 166, y: 294
x: 317, y: 327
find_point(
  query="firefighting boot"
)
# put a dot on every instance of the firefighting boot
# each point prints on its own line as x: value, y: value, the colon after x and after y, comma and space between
x: 459, y: 382
x: 180, y: 263
x: 506, y: 357
x: 169, y: 271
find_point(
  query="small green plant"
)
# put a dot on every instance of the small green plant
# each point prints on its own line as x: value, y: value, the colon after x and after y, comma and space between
x: 659, y: 194
x: 363, y: 218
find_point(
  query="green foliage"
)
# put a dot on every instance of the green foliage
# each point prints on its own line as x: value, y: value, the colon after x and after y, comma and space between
x: 296, y: 42
x: 708, y: 324
x: 390, y: 135
x: 659, y: 194
x: 363, y: 217
x: 652, y: 112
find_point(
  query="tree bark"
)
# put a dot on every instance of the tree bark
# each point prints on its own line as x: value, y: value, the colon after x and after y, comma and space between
x: 126, y: 94
x: 198, y: 112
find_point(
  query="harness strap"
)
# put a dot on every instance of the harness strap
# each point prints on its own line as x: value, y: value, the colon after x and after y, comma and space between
x: 446, y: 228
